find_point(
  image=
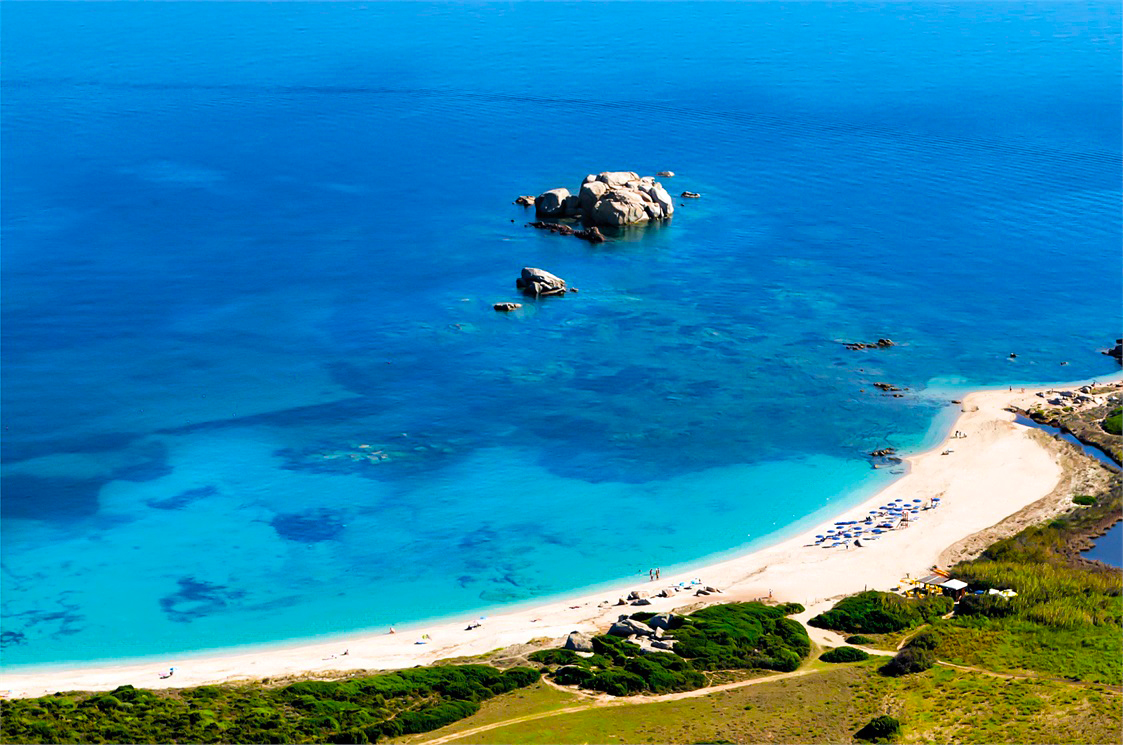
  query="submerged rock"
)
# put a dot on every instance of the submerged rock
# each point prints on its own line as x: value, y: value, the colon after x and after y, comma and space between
x: 879, y: 344
x: 1116, y: 351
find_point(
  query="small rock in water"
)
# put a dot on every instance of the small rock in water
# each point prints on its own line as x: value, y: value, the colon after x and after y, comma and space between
x: 666, y: 174
x: 507, y: 307
x: 691, y: 195
x: 540, y: 283
x: 525, y: 201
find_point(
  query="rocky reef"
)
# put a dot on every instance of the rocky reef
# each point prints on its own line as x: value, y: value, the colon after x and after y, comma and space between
x: 612, y: 198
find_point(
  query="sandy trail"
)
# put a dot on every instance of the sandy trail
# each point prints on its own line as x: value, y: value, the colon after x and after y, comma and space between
x: 999, y: 468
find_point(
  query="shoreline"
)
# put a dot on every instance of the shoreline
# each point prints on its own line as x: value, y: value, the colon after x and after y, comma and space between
x: 1000, y: 469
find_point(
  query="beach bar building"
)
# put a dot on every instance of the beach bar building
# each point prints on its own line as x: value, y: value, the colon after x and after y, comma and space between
x: 938, y: 583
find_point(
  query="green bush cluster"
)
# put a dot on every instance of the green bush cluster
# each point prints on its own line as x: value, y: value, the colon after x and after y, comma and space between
x: 858, y: 639
x: 909, y: 660
x: 719, y: 637
x: 874, y: 612
x: 1113, y: 424
x: 844, y: 654
x: 352, y: 710
x: 879, y: 729
x: 1084, y: 499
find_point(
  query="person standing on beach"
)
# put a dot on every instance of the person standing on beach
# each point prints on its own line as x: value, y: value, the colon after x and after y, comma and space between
x: 657, y: 572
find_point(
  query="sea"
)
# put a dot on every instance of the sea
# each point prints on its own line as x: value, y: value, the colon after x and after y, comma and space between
x: 253, y: 387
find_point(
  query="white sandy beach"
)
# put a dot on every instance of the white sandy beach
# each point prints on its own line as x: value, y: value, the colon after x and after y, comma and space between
x: 998, y: 469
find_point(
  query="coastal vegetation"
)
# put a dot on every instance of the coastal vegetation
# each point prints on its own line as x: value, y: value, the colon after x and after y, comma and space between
x: 1067, y: 617
x: 879, y: 729
x: 1113, y: 423
x: 874, y: 612
x: 355, y: 710
x: 844, y: 654
x: 719, y: 637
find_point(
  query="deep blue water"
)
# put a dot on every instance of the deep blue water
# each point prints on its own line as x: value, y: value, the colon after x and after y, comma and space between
x: 242, y: 241
x: 1109, y: 546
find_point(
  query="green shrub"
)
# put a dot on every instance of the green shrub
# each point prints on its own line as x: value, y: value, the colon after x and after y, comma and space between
x: 875, y: 612
x: 924, y: 640
x: 1084, y: 499
x: 617, y: 682
x: 858, y: 639
x: 908, y: 660
x: 790, y: 609
x: 879, y: 729
x: 1113, y: 424
x: 435, y: 717
x: 844, y: 654
x: 573, y: 676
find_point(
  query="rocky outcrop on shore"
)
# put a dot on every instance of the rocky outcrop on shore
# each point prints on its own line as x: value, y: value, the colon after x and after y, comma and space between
x: 1116, y: 351
x: 613, y: 198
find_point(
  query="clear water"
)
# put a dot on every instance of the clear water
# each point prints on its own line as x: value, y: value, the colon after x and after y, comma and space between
x: 241, y: 241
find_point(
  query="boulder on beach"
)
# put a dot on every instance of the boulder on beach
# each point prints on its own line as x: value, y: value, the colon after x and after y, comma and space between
x: 661, y: 621
x: 579, y: 642
x: 540, y: 283
x: 628, y: 626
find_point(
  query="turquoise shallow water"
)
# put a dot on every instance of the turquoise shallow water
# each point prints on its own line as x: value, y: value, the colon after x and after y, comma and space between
x: 243, y: 241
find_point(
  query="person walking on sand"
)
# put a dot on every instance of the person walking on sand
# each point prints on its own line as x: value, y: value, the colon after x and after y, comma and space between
x: 650, y: 575
x: 657, y: 572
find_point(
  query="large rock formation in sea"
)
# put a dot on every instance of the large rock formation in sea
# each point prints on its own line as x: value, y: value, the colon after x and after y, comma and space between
x: 540, y: 283
x: 613, y: 198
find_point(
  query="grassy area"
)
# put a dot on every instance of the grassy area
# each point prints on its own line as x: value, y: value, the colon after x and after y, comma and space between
x: 941, y: 705
x: 824, y: 707
x: 534, y: 699
x: 1093, y: 654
